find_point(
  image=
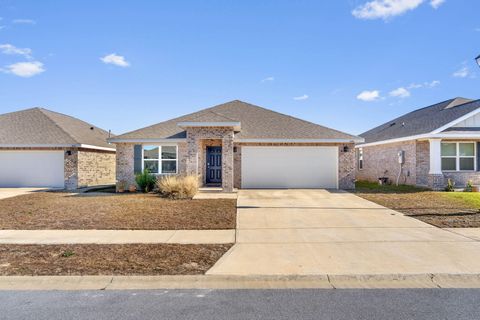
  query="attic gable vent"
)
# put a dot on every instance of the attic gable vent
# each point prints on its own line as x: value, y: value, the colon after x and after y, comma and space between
x: 457, y: 102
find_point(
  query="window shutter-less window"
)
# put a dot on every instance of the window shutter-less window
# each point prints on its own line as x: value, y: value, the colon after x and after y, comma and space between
x: 137, y: 158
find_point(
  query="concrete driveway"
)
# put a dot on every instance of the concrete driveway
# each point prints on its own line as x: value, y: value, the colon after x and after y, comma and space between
x: 308, y: 232
x: 13, y: 192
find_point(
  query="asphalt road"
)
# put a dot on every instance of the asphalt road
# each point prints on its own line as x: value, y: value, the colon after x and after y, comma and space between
x: 242, y: 304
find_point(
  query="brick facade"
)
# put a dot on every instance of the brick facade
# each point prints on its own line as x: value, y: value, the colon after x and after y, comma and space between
x: 125, y: 163
x: 192, y: 157
x: 95, y: 168
x: 382, y: 161
x: 383, y: 158
x: 83, y: 167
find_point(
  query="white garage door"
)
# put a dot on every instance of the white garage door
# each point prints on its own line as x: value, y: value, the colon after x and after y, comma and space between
x: 31, y: 169
x: 290, y: 167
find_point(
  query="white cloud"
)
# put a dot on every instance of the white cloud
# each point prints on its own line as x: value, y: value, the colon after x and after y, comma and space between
x: 304, y: 97
x: 386, y: 9
x: 25, y: 69
x: 462, y: 73
x: 369, y: 95
x: 24, y: 21
x: 400, y: 93
x: 268, y: 79
x: 436, y: 3
x: 432, y: 84
x: 11, y: 49
x: 116, y: 60
x: 427, y: 84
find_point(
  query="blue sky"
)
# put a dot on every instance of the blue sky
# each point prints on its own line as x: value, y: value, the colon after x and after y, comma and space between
x: 350, y: 65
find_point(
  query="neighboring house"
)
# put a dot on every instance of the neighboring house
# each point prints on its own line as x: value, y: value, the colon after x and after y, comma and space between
x: 240, y: 145
x: 437, y: 143
x: 42, y: 148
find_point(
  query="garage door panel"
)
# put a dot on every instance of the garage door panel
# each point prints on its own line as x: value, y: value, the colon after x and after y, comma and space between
x: 289, y: 167
x: 31, y: 169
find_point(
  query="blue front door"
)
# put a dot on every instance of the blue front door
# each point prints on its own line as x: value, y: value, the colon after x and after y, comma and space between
x: 214, y: 165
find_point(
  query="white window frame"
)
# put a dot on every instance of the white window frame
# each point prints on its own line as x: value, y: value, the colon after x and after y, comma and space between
x: 160, y: 158
x: 457, y: 156
x: 360, y: 158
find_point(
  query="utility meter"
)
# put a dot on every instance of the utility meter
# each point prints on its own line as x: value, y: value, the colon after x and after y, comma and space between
x: 401, y: 157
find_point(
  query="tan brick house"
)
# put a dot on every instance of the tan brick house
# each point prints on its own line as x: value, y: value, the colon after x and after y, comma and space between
x: 240, y: 145
x: 42, y: 148
x: 425, y: 147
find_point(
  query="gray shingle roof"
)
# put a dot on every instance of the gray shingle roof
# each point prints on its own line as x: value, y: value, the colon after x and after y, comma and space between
x: 422, y: 121
x: 39, y: 126
x: 256, y: 123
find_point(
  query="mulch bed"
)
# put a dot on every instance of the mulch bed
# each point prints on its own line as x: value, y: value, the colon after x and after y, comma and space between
x: 431, y: 207
x: 93, y: 259
x: 59, y: 210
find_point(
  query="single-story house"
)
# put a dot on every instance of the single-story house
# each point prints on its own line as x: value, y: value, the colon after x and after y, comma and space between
x: 42, y: 148
x: 425, y: 147
x: 240, y: 145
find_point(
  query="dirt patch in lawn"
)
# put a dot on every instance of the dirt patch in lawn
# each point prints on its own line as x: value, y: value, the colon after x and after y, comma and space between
x: 440, y: 209
x: 129, y: 259
x: 59, y: 210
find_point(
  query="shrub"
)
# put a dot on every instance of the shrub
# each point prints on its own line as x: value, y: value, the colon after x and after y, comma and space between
x: 146, y: 181
x: 178, y: 187
x: 469, y: 187
x: 450, y: 186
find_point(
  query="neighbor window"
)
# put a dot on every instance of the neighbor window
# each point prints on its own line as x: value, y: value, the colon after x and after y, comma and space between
x: 160, y: 159
x: 360, y: 158
x: 458, y: 156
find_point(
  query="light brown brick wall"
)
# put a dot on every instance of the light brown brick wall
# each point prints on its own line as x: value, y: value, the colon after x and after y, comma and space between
x: 382, y: 161
x: 95, y: 168
x: 124, y: 163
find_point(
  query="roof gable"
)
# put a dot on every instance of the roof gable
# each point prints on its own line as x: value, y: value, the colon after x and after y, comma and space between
x: 422, y: 121
x: 256, y: 123
x: 38, y: 126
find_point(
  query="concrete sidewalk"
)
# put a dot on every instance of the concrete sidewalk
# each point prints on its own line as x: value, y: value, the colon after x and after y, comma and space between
x: 116, y: 236
x: 315, y: 232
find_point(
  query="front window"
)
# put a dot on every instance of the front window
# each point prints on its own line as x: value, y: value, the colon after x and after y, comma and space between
x: 160, y: 159
x: 360, y: 158
x: 458, y: 156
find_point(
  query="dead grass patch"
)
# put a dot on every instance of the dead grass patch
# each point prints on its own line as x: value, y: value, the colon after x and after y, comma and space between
x: 92, y: 259
x: 58, y: 210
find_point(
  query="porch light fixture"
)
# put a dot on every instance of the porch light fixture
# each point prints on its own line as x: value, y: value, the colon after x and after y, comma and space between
x: 477, y: 59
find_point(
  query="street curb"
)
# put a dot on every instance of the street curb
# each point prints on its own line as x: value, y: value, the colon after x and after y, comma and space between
x: 381, y: 281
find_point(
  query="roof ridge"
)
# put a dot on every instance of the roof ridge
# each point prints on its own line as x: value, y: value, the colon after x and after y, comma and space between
x: 56, y: 124
x: 292, y: 117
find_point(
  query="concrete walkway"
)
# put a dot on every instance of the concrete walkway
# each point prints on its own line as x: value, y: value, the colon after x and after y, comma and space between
x: 13, y: 192
x: 116, y: 236
x: 315, y: 232
x: 472, y: 233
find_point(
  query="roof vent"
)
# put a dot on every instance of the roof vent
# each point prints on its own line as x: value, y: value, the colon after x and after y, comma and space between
x: 392, y: 124
x: 91, y: 128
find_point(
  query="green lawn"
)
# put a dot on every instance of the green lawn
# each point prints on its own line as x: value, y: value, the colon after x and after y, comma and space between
x: 472, y: 199
x: 439, y: 208
x: 373, y: 187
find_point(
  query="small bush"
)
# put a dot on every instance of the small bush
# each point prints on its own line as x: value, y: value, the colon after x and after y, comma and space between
x: 450, y: 186
x: 469, y: 187
x: 178, y: 187
x: 145, y: 180
x: 68, y: 253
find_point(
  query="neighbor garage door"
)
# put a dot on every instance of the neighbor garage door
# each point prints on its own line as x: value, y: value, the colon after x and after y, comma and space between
x: 289, y: 167
x: 31, y: 169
